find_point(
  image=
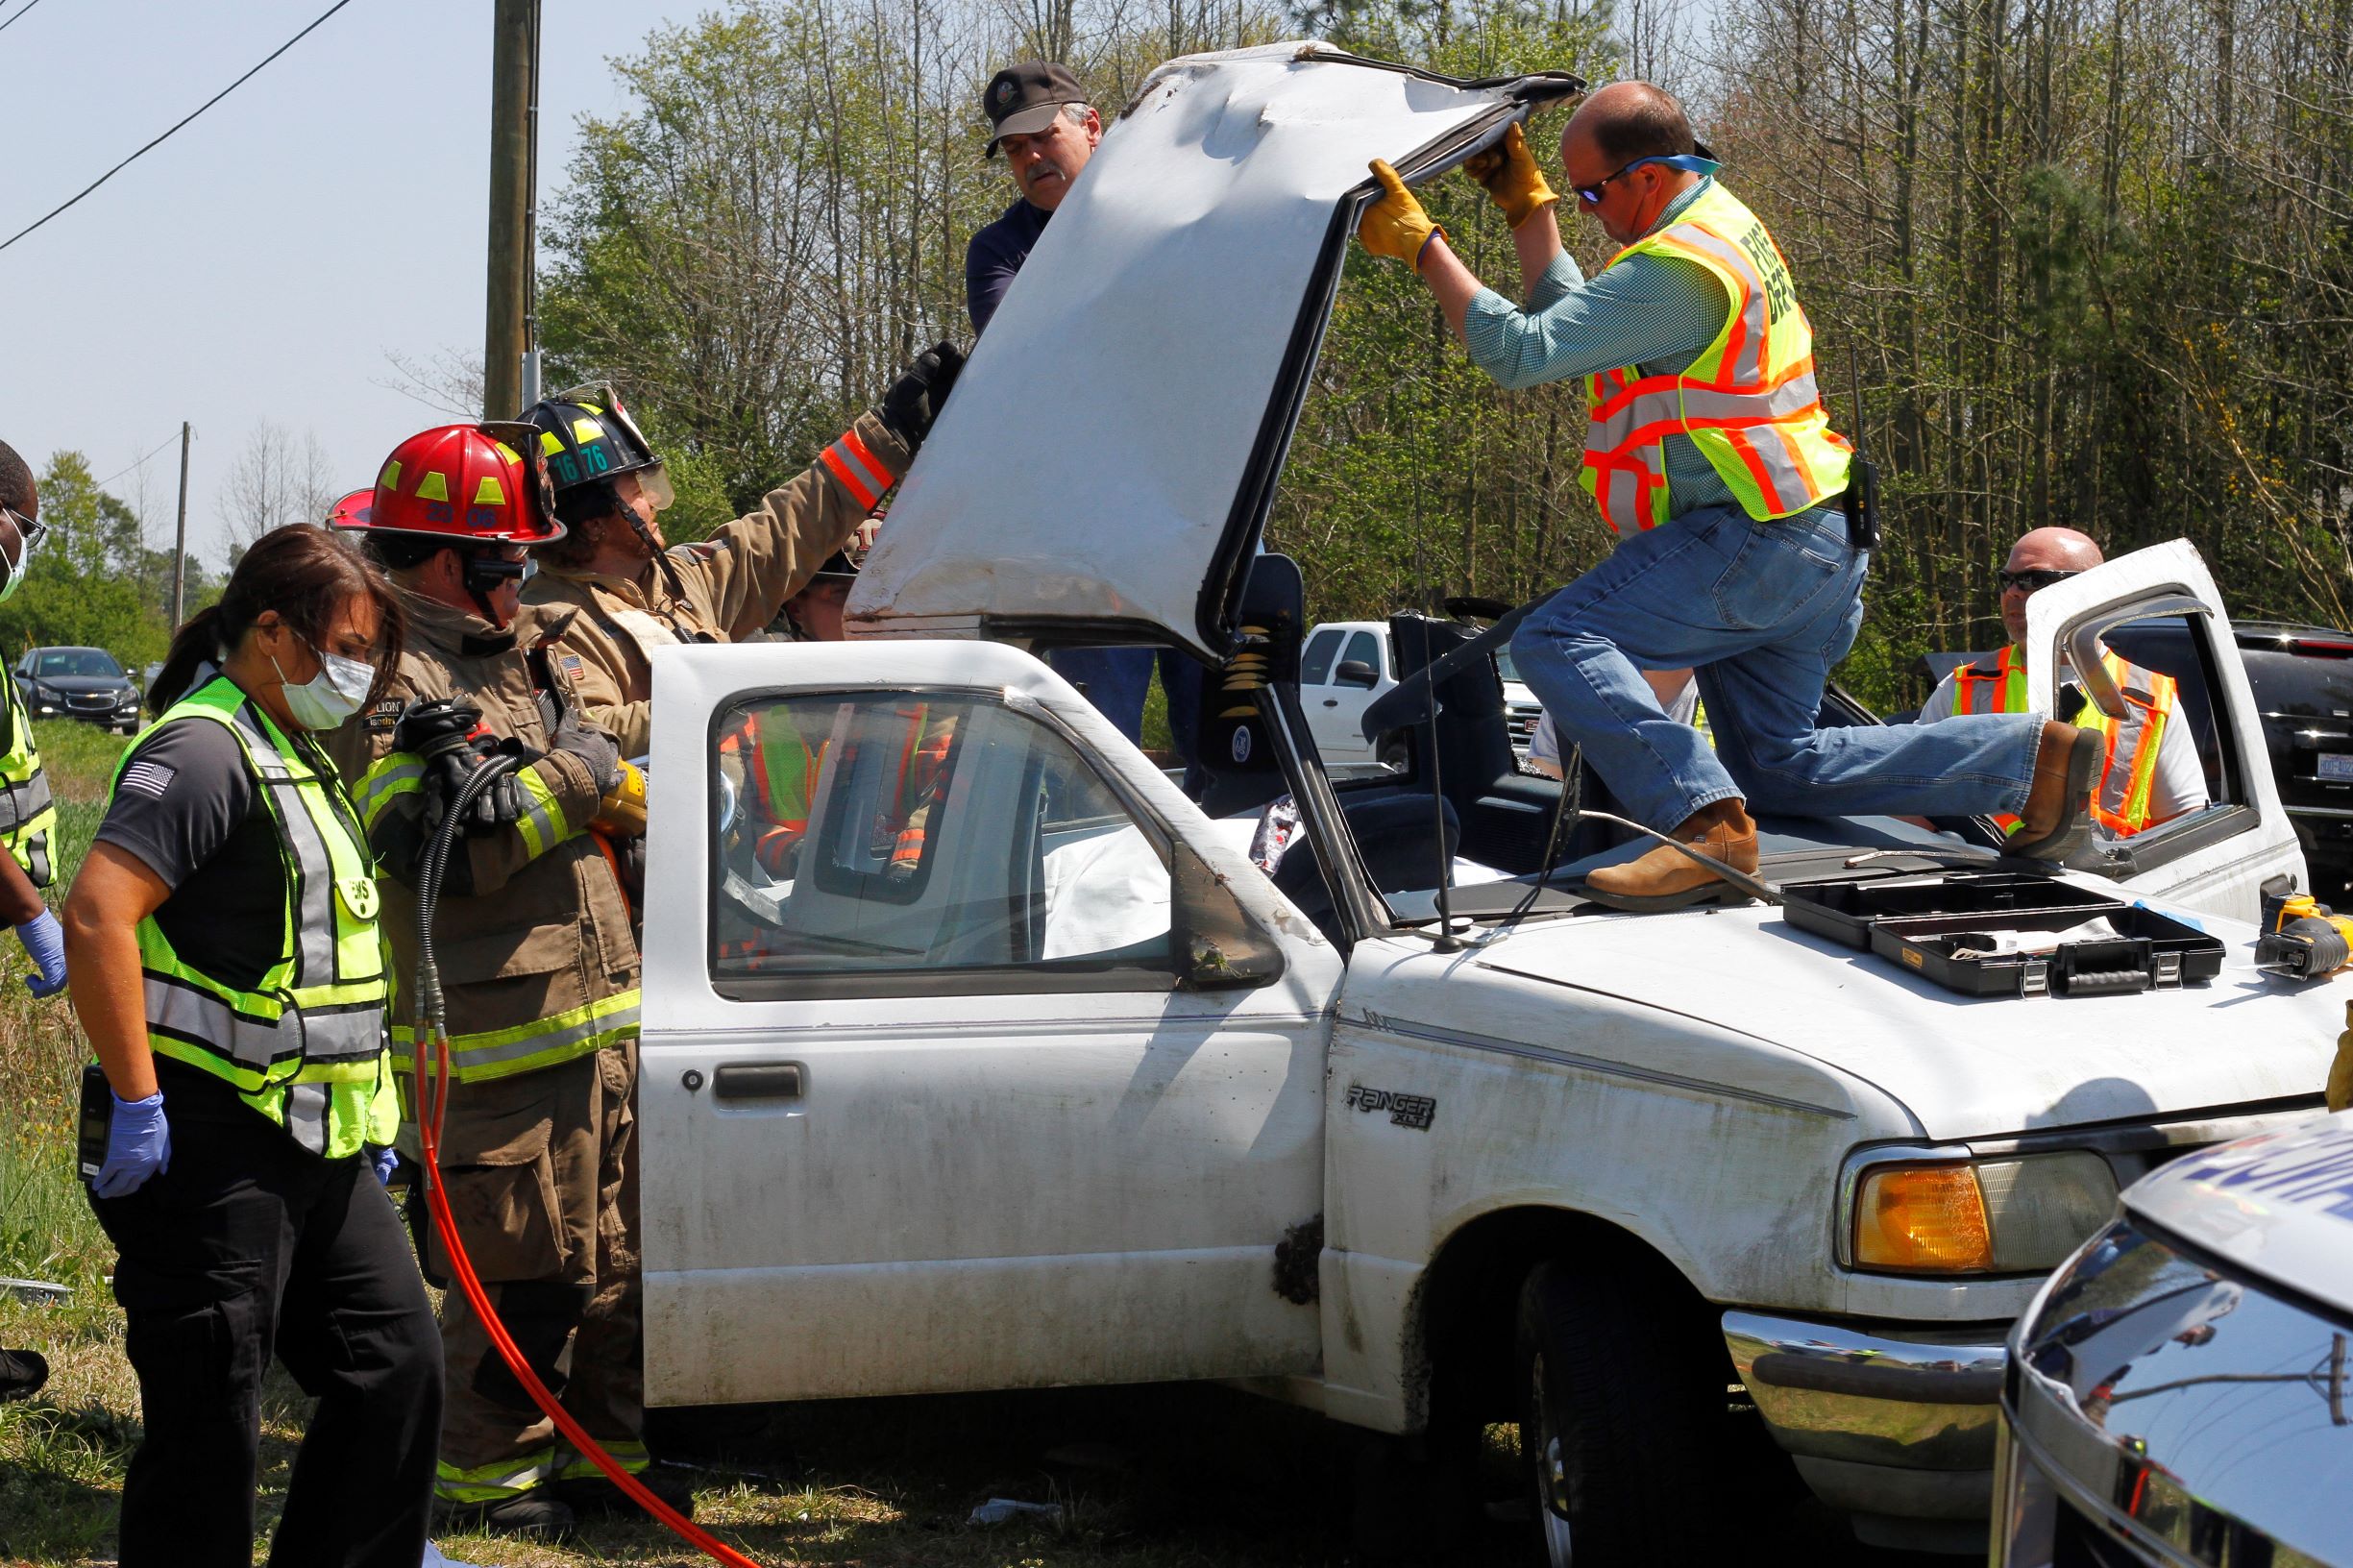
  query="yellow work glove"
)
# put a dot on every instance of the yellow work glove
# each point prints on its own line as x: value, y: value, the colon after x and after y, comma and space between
x: 1511, y: 177
x: 1396, y: 226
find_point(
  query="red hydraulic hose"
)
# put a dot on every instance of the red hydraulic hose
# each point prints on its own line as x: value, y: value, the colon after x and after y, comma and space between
x: 461, y: 1268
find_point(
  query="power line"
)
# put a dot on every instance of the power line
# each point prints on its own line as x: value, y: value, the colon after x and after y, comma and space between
x: 19, y: 16
x: 159, y: 141
x: 141, y: 463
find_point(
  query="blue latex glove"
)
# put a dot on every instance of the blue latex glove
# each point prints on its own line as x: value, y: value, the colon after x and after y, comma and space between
x: 44, y: 942
x: 386, y: 1161
x: 138, y: 1145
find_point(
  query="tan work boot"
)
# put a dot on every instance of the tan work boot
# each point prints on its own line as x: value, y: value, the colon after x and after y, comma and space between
x: 1667, y: 878
x: 2054, y: 824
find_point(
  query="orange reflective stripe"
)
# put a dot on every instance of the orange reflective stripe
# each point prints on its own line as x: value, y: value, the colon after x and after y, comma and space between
x: 854, y: 447
x: 838, y: 465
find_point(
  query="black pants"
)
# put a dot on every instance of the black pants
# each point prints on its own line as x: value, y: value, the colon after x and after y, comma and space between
x: 249, y: 1244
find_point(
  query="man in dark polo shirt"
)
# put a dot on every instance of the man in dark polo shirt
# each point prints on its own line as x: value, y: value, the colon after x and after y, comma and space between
x: 1041, y: 121
x: 1039, y: 116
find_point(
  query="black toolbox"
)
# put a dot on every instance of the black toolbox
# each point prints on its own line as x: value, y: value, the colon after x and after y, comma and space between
x: 1939, y: 926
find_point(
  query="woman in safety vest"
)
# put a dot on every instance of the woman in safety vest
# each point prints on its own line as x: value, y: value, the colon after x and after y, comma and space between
x: 223, y: 948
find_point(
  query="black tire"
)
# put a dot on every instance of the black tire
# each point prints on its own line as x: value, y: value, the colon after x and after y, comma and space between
x: 1393, y: 753
x: 1622, y: 1419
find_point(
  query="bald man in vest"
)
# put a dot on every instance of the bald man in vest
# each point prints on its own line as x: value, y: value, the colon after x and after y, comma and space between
x: 2149, y: 770
x: 1711, y: 456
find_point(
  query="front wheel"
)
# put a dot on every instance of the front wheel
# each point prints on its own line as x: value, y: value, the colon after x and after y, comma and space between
x: 1621, y: 1419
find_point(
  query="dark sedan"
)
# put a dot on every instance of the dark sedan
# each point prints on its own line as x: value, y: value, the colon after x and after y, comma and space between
x: 83, y: 683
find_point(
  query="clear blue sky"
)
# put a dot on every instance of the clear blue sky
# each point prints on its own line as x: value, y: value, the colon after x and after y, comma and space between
x: 261, y: 263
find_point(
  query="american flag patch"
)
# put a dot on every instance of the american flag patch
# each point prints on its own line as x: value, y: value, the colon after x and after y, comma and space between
x: 149, y: 778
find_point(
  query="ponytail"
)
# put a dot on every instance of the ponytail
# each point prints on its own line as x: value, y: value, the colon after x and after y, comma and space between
x: 196, y: 644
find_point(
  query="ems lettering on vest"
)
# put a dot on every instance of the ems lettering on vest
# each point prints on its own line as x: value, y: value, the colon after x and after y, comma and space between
x: 1779, y: 294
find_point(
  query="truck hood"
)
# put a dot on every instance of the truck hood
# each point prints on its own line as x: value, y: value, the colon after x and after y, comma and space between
x: 1964, y: 1066
x: 1104, y: 468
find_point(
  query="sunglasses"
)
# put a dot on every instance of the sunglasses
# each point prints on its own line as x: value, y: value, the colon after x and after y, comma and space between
x: 1591, y: 195
x: 2033, y: 581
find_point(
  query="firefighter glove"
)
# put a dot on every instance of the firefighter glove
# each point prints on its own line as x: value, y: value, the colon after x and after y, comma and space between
x: 139, y: 1146
x: 914, y: 399
x: 45, y: 946
x: 1511, y: 177
x: 447, y: 735
x: 600, y: 752
x: 1396, y: 226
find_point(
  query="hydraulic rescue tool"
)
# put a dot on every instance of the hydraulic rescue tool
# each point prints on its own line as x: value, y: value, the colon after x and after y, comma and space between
x: 2302, y: 938
x: 433, y: 1092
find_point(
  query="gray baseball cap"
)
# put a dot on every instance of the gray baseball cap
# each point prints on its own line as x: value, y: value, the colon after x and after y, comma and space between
x: 1023, y: 99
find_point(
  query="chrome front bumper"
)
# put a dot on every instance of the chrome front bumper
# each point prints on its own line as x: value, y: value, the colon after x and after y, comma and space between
x: 1888, y: 1426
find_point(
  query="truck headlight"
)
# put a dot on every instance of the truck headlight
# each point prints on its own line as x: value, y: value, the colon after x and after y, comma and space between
x: 2016, y: 1214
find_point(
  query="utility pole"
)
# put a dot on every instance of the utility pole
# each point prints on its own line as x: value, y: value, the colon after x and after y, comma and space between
x: 513, y: 48
x: 180, y: 538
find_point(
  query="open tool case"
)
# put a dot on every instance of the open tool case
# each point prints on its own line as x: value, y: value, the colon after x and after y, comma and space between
x: 1941, y: 926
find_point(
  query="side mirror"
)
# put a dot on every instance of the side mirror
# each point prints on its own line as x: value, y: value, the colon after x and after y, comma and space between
x: 1357, y: 674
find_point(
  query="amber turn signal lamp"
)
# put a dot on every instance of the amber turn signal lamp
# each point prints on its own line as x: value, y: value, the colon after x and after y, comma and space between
x: 1922, y: 1219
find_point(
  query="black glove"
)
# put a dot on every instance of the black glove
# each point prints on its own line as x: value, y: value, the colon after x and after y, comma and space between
x: 446, y: 735
x: 592, y: 746
x: 914, y: 399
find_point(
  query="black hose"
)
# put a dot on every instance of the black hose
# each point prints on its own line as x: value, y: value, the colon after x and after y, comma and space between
x: 433, y: 1009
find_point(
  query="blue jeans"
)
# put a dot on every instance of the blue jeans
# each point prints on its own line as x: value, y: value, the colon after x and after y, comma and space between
x: 1117, y: 679
x: 1761, y: 611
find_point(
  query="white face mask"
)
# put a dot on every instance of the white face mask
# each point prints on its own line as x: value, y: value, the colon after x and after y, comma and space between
x: 331, y: 696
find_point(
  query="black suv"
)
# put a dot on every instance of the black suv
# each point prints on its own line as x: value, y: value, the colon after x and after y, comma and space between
x: 2303, y: 681
x: 83, y: 683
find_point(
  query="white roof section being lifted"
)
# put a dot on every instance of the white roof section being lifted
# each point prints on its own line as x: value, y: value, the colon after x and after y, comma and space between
x: 1104, y: 467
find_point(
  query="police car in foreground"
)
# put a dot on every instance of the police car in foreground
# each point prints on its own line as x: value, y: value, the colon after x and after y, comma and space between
x: 2182, y: 1391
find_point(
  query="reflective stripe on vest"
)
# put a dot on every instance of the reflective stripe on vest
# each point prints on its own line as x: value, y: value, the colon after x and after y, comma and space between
x: 542, y: 1042
x: 316, y: 1017
x: 28, y: 817
x: 1748, y: 401
x: 2119, y: 805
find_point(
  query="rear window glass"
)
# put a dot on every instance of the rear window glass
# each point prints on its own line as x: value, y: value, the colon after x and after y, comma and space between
x: 1316, y: 664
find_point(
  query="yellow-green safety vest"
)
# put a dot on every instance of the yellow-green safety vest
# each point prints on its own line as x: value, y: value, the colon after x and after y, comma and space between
x: 28, y: 818
x: 305, y: 1047
x: 1748, y: 401
x: 2120, y: 801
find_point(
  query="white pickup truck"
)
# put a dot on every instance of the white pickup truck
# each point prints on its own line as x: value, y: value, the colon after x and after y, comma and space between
x: 1020, y: 1073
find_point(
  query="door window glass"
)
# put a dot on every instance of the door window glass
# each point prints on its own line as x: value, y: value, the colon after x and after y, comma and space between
x: 1365, y: 648
x: 885, y: 844
x: 1315, y: 663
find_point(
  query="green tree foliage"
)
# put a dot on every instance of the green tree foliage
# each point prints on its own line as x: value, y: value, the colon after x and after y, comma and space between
x: 2092, y: 258
x: 94, y: 582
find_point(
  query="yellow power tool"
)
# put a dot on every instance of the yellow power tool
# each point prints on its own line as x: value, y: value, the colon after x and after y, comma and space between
x: 2302, y: 938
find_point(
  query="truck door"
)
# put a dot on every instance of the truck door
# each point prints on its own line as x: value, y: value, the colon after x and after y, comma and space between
x: 974, y: 1058
x: 2159, y: 609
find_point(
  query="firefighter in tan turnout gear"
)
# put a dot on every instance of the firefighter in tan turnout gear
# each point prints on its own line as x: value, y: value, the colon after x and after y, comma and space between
x: 538, y: 965
x: 635, y: 592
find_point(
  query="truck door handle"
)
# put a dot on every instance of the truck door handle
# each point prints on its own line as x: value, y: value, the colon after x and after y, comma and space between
x: 757, y: 1081
x: 1332, y: 701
